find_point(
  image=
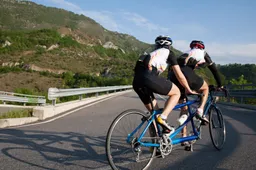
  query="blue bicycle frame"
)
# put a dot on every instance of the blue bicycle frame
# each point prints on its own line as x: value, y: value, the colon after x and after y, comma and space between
x: 178, y: 129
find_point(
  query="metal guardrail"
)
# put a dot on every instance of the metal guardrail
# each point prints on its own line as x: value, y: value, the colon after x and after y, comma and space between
x: 54, y: 93
x: 243, y: 93
x: 240, y: 92
x: 21, y: 98
x: 242, y: 87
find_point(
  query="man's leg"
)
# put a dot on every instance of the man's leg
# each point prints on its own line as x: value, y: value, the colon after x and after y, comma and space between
x: 205, y: 90
x: 174, y: 95
x: 184, y: 110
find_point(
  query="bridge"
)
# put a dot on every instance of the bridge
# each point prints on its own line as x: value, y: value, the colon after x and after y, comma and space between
x: 76, y: 140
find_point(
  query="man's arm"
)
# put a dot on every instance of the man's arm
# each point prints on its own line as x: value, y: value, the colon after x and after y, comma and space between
x: 212, y: 66
x: 180, y: 76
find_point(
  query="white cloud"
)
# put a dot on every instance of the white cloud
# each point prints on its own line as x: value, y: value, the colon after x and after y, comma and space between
x: 239, y: 50
x: 181, y: 45
x: 221, y: 53
x: 66, y: 5
x: 143, y: 22
x: 104, y: 18
x: 195, y: 28
x: 225, y: 53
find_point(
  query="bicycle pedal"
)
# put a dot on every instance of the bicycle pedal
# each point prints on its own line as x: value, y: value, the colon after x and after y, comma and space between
x: 189, y: 148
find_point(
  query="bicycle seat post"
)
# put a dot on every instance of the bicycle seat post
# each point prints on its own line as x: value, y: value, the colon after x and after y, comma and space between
x: 152, y: 106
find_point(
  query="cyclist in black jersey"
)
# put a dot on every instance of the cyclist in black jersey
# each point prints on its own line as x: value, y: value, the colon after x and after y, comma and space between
x: 147, y: 80
x: 195, y: 58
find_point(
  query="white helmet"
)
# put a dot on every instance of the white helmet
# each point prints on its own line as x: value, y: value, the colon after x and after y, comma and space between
x: 163, y: 40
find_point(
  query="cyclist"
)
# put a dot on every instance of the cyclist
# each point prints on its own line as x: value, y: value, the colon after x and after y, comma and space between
x: 147, y: 79
x: 195, y: 58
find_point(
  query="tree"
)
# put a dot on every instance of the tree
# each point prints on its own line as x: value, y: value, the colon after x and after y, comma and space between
x: 68, y: 79
x: 240, y: 81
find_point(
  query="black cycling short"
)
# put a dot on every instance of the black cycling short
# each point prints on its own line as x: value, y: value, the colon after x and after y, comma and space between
x: 147, y: 82
x: 195, y: 82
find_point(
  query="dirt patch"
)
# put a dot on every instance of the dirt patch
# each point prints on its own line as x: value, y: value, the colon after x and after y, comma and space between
x: 36, y: 68
x: 34, y: 81
x: 29, y: 52
x: 64, y: 31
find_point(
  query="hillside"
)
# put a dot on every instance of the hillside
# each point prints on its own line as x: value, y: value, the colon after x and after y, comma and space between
x: 26, y: 15
x: 48, y: 50
x: 39, y: 43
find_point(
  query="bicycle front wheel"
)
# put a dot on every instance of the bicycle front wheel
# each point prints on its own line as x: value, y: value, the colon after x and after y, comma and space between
x: 217, y: 128
x: 122, y: 149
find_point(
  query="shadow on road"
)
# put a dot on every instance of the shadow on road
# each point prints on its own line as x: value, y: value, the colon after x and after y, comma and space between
x: 207, y: 157
x: 64, y: 148
x: 68, y: 148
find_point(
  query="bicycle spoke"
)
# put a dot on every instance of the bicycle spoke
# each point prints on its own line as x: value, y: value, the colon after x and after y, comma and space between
x: 217, y: 128
x: 129, y: 155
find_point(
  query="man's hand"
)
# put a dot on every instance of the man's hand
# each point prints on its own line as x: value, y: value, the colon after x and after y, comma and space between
x: 189, y: 91
x: 220, y: 88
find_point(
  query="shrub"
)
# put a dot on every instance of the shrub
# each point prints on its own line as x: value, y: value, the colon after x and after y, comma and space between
x: 17, y: 114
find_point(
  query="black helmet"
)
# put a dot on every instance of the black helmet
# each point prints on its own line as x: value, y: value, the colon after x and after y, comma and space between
x: 163, y: 41
x: 197, y: 44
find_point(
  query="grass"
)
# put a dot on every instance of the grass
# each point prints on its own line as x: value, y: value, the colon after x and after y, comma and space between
x: 17, y: 114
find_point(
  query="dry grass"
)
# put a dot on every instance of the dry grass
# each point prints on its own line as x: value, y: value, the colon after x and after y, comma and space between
x: 11, y: 81
x: 17, y: 114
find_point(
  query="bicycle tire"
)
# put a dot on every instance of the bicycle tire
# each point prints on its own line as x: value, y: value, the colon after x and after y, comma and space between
x: 217, y: 121
x: 109, y: 142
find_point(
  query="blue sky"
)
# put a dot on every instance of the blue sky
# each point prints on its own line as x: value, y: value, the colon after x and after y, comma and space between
x: 227, y: 27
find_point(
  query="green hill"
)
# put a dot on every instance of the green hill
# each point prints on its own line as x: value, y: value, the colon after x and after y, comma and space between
x: 26, y: 15
x: 44, y: 47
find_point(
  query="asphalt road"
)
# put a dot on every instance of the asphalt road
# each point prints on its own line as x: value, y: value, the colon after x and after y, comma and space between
x: 77, y: 141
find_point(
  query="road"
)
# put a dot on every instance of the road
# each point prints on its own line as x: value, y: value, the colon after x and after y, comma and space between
x: 77, y: 141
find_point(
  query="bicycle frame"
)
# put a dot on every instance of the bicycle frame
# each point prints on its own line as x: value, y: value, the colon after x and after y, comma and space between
x: 174, y: 140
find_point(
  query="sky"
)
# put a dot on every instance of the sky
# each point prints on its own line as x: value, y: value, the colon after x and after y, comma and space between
x: 227, y: 27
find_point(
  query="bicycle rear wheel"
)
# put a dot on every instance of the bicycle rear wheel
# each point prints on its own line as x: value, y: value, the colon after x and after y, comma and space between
x: 217, y: 128
x: 123, y: 152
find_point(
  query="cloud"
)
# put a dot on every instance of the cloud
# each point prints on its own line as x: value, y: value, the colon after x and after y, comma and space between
x: 66, y: 5
x: 105, y: 18
x: 143, y: 22
x: 108, y: 19
x: 195, y: 28
x: 181, y: 45
x: 225, y: 53
x: 248, y: 50
x: 221, y: 53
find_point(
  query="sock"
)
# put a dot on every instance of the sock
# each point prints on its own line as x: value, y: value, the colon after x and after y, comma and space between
x: 200, y: 111
x: 163, y: 117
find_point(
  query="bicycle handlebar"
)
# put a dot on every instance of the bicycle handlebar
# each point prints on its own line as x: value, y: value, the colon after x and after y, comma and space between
x: 213, y: 88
